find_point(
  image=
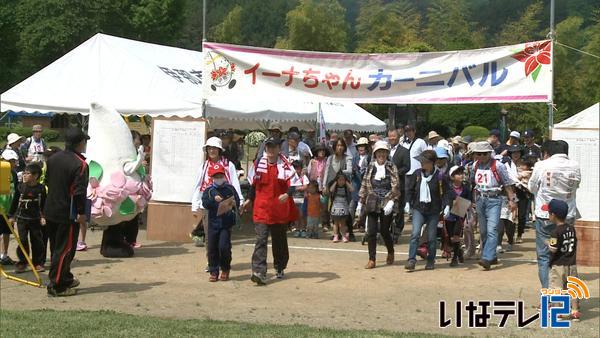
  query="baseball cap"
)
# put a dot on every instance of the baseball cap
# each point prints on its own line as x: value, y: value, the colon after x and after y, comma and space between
x: 528, y: 133
x: 515, y: 134
x: 75, y: 136
x: 441, y: 152
x: 495, y: 132
x: 557, y: 207
x: 273, y: 141
x: 455, y: 169
x: 216, y: 169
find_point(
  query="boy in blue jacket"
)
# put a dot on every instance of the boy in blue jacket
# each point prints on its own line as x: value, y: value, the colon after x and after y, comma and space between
x: 219, y: 226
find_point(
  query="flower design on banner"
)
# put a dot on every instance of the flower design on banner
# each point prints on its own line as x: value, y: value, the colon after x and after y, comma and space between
x: 535, y: 54
x: 222, y: 70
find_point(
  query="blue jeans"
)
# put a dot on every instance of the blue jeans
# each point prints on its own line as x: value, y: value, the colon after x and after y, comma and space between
x: 543, y: 229
x: 488, y: 215
x: 419, y: 219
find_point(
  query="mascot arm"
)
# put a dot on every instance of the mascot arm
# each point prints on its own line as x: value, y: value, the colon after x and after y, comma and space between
x: 130, y: 167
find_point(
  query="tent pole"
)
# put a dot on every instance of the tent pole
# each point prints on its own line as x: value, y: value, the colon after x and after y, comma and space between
x: 551, y: 102
x: 203, y: 20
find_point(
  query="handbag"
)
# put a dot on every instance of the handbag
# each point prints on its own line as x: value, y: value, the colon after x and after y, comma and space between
x: 371, y: 203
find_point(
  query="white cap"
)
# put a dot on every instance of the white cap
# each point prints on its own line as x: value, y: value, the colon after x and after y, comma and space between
x: 12, y: 138
x: 381, y: 145
x: 515, y: 134
x: 214, y: 142
x: 455, y: 168
x: 9, y: 154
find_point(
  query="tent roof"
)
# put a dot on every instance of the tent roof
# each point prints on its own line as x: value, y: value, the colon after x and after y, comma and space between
x: 589, y: 118
x: 139, y: 78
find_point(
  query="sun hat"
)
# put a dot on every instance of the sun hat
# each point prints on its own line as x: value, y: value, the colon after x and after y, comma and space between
x: 441, y: 152
x: 433, y: 135
x: 363, y: 141
x: 214, y: 142
x: 381, y: 145
x: 482, y: 147
x: 9, y: 155
x: 13, y: 137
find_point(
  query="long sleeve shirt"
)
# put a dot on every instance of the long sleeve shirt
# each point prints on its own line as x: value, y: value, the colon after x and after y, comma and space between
x: 557, y: 177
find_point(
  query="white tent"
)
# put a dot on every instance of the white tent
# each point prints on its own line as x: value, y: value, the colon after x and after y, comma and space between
x: 141, y: 78
x: 581, y: 132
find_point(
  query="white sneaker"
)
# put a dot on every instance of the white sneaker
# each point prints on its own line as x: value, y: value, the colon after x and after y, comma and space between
x: 499, y: 249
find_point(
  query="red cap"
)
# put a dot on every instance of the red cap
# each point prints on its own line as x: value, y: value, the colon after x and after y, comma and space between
x: 216, y: 169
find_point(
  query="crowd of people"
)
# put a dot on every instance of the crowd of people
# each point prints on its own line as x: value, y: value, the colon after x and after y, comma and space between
x: 349, y: 184
x: 372, y: 184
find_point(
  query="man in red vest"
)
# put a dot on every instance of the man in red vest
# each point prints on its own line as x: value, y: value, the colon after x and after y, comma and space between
x: 273, y: 209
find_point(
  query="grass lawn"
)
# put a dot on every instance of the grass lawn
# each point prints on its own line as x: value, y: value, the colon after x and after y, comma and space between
x: 50, y: 323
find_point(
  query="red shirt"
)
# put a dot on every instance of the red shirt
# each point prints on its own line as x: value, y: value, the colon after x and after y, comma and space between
x: 267, y: 208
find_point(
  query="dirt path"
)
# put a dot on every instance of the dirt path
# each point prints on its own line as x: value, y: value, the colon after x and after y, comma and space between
x: 325, y: 286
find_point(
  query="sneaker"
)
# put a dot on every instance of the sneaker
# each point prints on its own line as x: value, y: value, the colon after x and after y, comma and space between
x: 519, y: 240
x: 40, y: 268
x: 499, y: 249
x: 6, y: 260
x: 214, y: 276
x: 345, y: 238
x: 75, y: 283
x: 259, y: 279
x: 370, y: 264
x: 20, y: 267
x: 454, y: 261
x: 279, y: 274
x: 336, y: 239
x: 351, y: 238
x: 485, y: 264
x: 325, y: 229
x: 206, y: 268
x: 410, y: 265
x: 224, y: 276
x: 494, y: 261
x: 575, y: 316
x: 430, y: 265
x: 198, y: 241
x: 509, y: 248
x: 81, y: 246
x: 461, y: 256
x: 66, y: 293
x: 136, y: 245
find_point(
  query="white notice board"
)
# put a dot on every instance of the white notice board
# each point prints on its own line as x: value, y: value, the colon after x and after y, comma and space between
x: 177, y: 155
x: 583, y: 148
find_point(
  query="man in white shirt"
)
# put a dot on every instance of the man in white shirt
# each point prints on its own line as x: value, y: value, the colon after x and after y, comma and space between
x: 34, y: 147
x: 556, y: 177
x: 415, y: 147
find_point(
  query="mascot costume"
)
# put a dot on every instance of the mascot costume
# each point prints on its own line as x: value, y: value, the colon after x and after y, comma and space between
x: 119, y: 188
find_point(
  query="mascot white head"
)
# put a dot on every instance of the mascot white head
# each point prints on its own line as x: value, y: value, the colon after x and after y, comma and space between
x: 119, y: 187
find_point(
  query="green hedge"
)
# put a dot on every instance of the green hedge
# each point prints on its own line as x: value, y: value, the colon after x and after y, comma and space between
x: 478, y: 133
x: 48, y: 134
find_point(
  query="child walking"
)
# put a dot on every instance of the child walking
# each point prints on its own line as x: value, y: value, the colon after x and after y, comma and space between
x: 300, y: 181
x: 219, y: 225
x: 340, y: 192
x: 563, y: 245
x: 313, y: 209
x: 26, y: 210
x: 454, y: 224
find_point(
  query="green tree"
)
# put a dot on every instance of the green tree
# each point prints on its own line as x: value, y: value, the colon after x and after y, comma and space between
x: 316, y: 25
x: 388, y: 27
x: 158, y: 21
x: 230, y: 30
x: 526, y: 28
x: 448, y: 26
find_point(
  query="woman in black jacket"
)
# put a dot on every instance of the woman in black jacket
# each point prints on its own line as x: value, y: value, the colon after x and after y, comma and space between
x: 429, y: 197
x: 454, y: 224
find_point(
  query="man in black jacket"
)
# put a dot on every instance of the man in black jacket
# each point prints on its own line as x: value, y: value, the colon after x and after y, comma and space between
x: 67, y: 180
x: 401, y: 159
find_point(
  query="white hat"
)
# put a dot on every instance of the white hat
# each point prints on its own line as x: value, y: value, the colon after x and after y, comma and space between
x: 363, y: 141
x: 381, y: 145
x: 10, y: 154
x: 214, y: 142
x: 454, y: 169
x: 515, y: 134
x: 12, y: 138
